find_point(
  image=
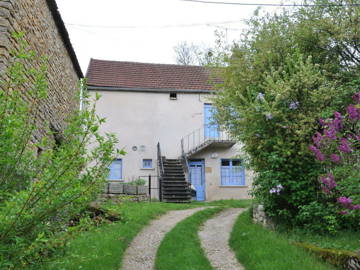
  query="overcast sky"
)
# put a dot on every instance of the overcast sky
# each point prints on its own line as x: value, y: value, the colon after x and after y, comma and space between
x: 147, y: 30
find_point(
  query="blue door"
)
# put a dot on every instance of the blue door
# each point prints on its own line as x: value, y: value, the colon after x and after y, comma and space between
x: 197, y: 178
x: 211, y: 128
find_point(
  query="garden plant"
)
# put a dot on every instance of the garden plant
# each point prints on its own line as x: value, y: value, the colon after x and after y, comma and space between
x: 40, y: 191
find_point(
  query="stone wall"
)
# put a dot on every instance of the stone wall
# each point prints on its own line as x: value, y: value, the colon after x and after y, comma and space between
x: 36, y: 20
x: 260, y: 217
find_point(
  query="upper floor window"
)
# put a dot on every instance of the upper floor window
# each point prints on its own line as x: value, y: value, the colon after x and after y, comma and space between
x: 232, y: 172
x: 115, y: 170
x: 173, y: 96
x: 147, y: 164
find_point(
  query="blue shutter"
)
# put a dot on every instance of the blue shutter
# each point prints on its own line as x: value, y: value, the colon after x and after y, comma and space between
x: 211, y: 129
x: 147, y: 164
x: 115, y: 170
x: 232, y: 173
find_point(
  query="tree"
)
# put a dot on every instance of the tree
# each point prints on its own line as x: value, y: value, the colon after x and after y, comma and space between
x: 287, y: 71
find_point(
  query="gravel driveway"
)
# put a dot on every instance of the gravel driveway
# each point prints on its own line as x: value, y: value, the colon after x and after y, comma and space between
x: 214, y: 237
x: 141, y: 253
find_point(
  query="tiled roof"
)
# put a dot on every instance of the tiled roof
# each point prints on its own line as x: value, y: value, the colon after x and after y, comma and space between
x: 132, y: 75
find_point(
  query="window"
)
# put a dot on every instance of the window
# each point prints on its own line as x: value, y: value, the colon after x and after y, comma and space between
x: 232, y: 172
x: 173, y: 96
x: 147, y: 164
x: 115, y: 170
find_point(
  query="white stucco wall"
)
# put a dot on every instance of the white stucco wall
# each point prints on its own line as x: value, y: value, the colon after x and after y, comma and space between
x: 139, y: 118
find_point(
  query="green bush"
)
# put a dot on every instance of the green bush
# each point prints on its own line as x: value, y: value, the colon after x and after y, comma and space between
x: 138, y: 182
x: 41, y: 190
x: 283, y: 76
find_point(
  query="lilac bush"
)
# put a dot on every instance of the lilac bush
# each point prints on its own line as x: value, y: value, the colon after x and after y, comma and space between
x: 337, y: 148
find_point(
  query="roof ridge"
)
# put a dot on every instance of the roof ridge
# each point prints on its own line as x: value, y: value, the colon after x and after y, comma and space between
x: 146, y: 63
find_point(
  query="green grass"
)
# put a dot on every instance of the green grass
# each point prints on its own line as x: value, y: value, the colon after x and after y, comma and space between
x: 226, y: 203
x: 103, y: 247
x: 342, y: 240
x: 260, y: 249
x: 181, y: 248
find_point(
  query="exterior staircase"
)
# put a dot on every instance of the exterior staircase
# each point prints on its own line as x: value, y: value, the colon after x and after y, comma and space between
x: 174, y: 187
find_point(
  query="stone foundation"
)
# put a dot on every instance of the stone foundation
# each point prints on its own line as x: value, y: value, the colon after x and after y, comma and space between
x: 259, y: 216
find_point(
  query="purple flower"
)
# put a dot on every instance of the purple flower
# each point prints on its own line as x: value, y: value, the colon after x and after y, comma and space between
x: 335, y: 158
x: 357, y: 137
x: 260, y: 97
x: 320, y: 156
x: 344, y: 212
x: 268, y: 116
x: 337, y: 115
x: 322, y: 122
x: 337, y: 123
x: 317, y: 138
x: 353, y: 112
x: 276, y: 189
x: 344, y: 146
x: 294, y: 105
x: 355, y: 207
x: 330, y: 133
x: 356, y: 97
x: 328, y: 183
x: 345, y: 202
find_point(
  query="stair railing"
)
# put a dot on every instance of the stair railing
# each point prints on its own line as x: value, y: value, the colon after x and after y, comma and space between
x: 184, y: 158
x: 160, y: 163
x: 202, y: 135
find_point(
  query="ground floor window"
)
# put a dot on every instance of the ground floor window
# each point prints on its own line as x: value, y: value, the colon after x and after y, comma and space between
x: 232, y: 172
x: 147, y: 164
x: 115, y: 170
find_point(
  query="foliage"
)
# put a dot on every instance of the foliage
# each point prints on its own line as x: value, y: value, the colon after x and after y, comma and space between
x: 43, y: 183
x: 337, y: 148
x: 138, y: 182
x: 195, y: 54
x: 260, y: 249
x: 289, y: 70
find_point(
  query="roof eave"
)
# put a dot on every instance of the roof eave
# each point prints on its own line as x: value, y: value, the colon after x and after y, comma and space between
x: 64, y: 36
x: 149, y: 90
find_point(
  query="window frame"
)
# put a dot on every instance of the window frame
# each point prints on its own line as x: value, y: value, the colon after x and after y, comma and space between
x: 143, y: 163
x: 173, y: 96
x: 241, y: 182
x: 121, y: 170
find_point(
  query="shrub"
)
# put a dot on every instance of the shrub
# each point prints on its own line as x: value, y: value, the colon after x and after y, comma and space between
x: 289, y: 70
x: 337, y: 149
x: 41, y: 190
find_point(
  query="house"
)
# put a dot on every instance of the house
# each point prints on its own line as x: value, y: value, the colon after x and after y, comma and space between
x: 46, y: 35
x: 163, y: 118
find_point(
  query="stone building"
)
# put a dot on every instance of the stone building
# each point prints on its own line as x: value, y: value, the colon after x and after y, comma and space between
x: 146, y: 104
x: 46, y: 35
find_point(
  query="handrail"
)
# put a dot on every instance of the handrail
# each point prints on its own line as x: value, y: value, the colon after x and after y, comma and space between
x: 202, y: 135
x: 160, y: 169
x: 183, y: 156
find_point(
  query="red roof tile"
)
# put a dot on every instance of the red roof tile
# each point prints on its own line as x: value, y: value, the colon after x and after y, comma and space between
x: 103, y: 73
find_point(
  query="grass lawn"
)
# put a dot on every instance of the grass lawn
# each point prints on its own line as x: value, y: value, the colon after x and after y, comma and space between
x: 260, y: 249
x: 104, y: 247
x: 181, y: 248
x: 342, y: 240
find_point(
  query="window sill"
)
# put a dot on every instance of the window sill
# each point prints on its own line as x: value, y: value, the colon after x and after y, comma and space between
x: 148, y: 169
x: 233, y: 186
x: 115, y: 180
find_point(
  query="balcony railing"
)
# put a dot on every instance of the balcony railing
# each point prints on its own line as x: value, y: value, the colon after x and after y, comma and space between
x: 202, y: 137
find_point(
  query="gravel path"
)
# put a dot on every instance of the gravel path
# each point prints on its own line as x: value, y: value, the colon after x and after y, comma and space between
x: 214, y: 237
x: 141, y: 253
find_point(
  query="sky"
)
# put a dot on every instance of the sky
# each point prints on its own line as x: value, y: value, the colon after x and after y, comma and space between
x: 148, y: 30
